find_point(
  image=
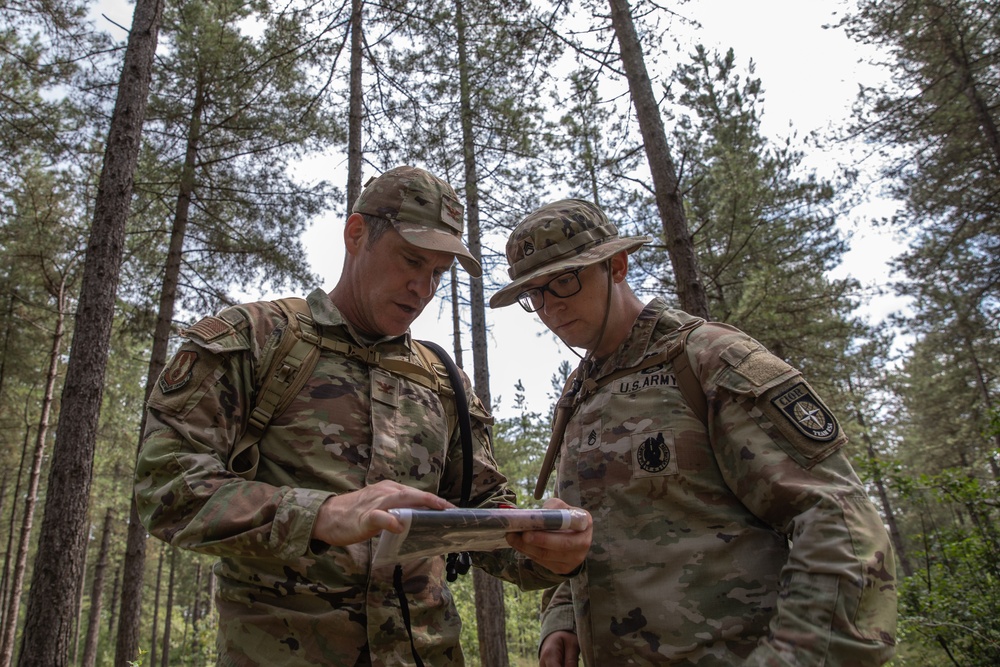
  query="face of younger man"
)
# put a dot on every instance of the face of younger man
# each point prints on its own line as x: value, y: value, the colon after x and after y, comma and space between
x: 576, y: 319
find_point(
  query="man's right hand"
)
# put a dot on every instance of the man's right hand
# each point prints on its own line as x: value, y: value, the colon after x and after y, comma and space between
x: 560, y: 649
x: 354, y: 517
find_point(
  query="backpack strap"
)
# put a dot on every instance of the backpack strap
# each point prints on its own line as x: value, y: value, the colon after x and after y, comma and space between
x: 687, y: 382
x: 462, y: 408
x: 457, y: 563
x: 564, y: 409
x: 290, y: 364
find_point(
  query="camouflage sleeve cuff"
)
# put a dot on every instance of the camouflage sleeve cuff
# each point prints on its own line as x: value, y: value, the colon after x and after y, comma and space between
x: 516, y: 568
x: 291, y: 536
x: 556, y: 618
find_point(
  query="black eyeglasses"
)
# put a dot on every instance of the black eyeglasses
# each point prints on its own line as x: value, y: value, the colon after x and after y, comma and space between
x: 563, y: 285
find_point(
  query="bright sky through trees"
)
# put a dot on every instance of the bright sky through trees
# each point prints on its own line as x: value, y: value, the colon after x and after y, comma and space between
x: 810, y: 75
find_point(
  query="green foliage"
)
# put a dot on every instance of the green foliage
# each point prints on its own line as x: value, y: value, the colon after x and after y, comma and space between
x: 523, y: 626
x: 937, y: 127
x: 591, y: 150
x: 230, y: 110
x: 456, y: 89
x: 764, y: 227
x: 519, y: 444
x: 952, y: 604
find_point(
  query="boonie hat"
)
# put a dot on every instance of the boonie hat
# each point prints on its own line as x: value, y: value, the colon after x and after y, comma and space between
x: 559, y: 237
x: 424, y: 210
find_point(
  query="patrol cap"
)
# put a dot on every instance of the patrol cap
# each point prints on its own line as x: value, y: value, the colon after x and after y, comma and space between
x: 424, y: 210
x: 558, y: 237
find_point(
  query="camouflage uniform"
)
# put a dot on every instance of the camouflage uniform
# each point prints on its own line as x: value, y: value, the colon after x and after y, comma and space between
x: 751, y: 542
x: 283, y: 598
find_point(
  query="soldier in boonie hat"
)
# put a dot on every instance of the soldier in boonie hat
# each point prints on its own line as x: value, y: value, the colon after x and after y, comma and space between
x: 424, y: 210
x: 559, y: 237
x: 711, y: 468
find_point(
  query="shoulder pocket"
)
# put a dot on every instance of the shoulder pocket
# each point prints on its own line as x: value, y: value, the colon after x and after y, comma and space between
x: 220, y: 333
x: 197, y: 365
x: 750, y: 369
x: 775, y: 395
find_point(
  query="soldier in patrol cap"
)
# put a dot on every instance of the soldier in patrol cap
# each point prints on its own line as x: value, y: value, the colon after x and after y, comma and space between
x: 367, y: 432
x: 729, y: 526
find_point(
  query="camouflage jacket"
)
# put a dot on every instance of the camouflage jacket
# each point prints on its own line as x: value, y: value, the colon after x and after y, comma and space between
x: 752, y: 544
x: 283, y: 598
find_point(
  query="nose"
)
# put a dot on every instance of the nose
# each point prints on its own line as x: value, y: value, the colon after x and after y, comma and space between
x: 552, y: 304
x: 424, y: 284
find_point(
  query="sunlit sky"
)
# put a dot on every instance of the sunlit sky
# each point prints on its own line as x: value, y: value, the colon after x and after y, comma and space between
x: 810, y: 76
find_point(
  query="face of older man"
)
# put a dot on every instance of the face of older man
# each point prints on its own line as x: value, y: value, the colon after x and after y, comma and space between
x: 391, y: 281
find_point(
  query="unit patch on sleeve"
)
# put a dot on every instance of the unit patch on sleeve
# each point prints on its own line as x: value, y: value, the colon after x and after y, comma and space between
x: 179, y: 372
x: 807, y: 413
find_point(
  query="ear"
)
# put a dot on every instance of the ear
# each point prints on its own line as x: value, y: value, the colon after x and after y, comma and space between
x: 619, y: 266
x: 355, y: 233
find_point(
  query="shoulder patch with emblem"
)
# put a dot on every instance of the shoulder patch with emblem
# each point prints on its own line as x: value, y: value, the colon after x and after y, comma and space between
x: 179, y: 372
x: 807, y: 413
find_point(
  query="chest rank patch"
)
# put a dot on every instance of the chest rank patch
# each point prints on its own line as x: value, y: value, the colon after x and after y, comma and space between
x: 807, y: 413
x: 179, y: 372
x: 653, y: 455
x: 385, y: 388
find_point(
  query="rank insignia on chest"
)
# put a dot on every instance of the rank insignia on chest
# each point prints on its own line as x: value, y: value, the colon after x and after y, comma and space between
x: 807, y: 413
x: 385, y: 388
x: 179, y: 372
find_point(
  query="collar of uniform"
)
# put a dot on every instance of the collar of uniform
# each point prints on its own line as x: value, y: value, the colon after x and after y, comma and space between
x: 645, y: 326
x: 635, y: 347
x: 329, y: 317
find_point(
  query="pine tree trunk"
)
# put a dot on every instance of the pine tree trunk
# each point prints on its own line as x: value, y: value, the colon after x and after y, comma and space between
x: 58, y: 567
x: 31, y: 497
x: 113, y: 607
x: 196, y: 605
x: 96, y: 592
x: 210, y: 592
x: 196, y: 612
x: 949, y: 37
x: 135, y: 554
x: 355, y: 108
x: 155, y: 640
x: 3, y: 497
x: 11, y: 531
x: 169, y: 615
x: 680, y: 245
x: 491, y: 621
x: 78, y: 612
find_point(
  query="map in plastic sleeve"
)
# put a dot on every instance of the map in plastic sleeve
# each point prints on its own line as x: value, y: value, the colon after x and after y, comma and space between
x: 429, y: 533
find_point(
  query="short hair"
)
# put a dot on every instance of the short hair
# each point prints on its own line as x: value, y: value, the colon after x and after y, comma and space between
x: 376, y: 228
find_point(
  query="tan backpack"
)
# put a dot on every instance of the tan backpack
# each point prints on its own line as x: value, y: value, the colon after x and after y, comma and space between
x: 290, y: 364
